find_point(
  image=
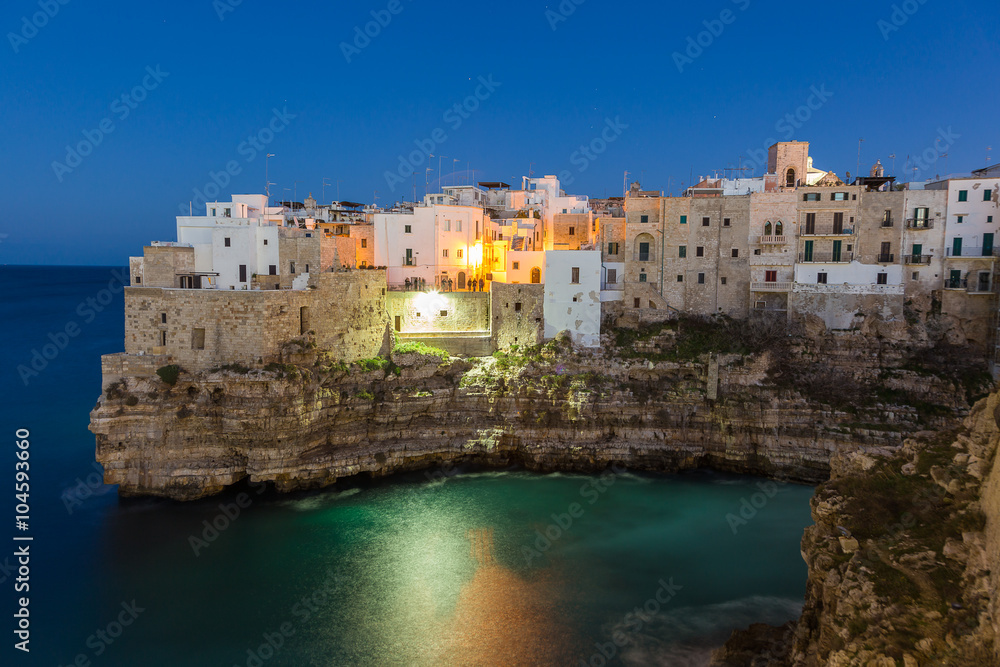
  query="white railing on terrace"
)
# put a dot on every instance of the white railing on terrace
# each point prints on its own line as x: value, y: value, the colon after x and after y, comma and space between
x: 773, y: 240
x: 771, y: 287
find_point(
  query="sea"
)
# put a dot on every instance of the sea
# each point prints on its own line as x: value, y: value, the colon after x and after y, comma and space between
x: 461, y: 566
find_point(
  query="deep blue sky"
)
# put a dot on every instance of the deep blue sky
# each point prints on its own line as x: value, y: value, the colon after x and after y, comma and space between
x: 939, y: 70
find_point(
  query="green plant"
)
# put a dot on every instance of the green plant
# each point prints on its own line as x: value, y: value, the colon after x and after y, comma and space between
x: 416, y: 347
x: 169, y: 374
x: 365, y: 395
x: 375, y: 364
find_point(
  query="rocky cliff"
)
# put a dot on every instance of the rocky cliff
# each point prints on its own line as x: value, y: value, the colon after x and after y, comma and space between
x: 904, y: 559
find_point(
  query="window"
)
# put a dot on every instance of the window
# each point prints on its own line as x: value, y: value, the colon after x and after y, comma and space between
x: 265, y: 241
x: 701, y: 278
x: 736, y: 252
x: 680, y: 278
x: 916, y: 275
x: 364, y: 243
x: 213, y: 212
x: 197, y: 339
x: 407, y: 229
x: 642, y: 277
x: 810, y: 223
x: 163, y: 339
x: 882, y: 279
x: 961, y: 219
x: 517, y: 266
x: 446, y: 225
x: 644, y: 244
x: 770, y: 276
x: 575, y: 278
x: 272, y: 270
x: 138, y: 280
x: 644, y: 218
x: 838, y: 196
x: 307, y: 268
x: 725, y: 222
x: 779, y: 229
x: 636, y: 303
x: 572, y: 231
x: 243, y: 273
x: 226, y: 242
x: 444, y: 253
x: 921, y: 214
x: 684, y: 219
x: 963, y: 195
x: 811, y: 196
x: 767, y: 229
x: 699, y: 251
x: 989, y: 218
x: 705, y: 222
x: 612, y: 248
x: 682, y: 251
x: 458, y: 225
x: 838, y: 223
x: 723, y: 280
x: 163, y: 318
x: 790, y: 178
x: 987, y: 195
x: 291, y: 268
x: 460, y: 253
x: 612, y: 276
x: 821, y: 278
x: 517, y: 307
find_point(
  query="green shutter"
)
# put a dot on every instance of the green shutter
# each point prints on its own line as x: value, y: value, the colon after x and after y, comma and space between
x: 987, y: 245
x: 684, y: 219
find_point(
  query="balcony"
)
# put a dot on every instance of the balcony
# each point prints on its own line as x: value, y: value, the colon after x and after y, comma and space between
x: 771, y: 287
x: 886, y: 259
x: 773, y: 240
x: 827, y: 258
x: 831, y: 231
x: 923, y: 260
x: 919, y: 223
x: 612, y: 287
x: 971, y: 252
x: 970, y: 286
x: 888, y: 222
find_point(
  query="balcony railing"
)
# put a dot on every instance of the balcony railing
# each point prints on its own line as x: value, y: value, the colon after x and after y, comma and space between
x: 971, y: 286
x: 827, y: 258
x: 919, y: 223
x: 773, y: 240
x: 971, y: 252
x: 771, y: 287
x: 886, y: 259
x: 917, y: 259
x: 827, y: 232
x: 888, y: 222
x: 612, y: 287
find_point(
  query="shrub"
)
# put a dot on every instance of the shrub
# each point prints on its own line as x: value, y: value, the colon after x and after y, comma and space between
x: 416, y: 347
x: 365, y: 395
x: 169, y: 374
x: 376, y: 364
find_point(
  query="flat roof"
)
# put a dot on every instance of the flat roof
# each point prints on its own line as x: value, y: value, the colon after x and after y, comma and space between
x: 494, y: 185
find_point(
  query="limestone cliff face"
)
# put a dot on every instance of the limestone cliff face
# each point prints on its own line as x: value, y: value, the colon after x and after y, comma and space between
x: 308, y: 423
x: 904, y: 559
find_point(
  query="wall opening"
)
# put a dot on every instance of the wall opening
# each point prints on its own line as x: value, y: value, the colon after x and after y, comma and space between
x: 304, y: 320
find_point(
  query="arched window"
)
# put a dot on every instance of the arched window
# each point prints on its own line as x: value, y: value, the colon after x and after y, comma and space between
x: 790, y: 178
x: 645, y: 247
x: 767, y: 229
x: 536, y: 276
x: 779, y: 229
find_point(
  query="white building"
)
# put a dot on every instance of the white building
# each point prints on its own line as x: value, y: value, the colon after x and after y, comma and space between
x: 573, y: 295
x: 973, y: 216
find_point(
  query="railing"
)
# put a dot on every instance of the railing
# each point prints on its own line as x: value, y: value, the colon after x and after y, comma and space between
x: 612, y: 287
x: 971, y: 252
x: 887, y: 223
x: 970, y: 286
x: 917, y: 259
x: 919, y: 223
x: 886, y: 259
x: 827, y: 258
x: 773, y: 240
x: 643, y: 256
x: 771, y: 287
x: 823, y: 232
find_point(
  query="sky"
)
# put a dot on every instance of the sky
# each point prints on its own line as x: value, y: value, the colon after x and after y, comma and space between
x: 117, y: 115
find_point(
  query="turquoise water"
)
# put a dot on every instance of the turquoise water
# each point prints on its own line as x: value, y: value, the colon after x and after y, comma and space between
x: 473, y: 567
